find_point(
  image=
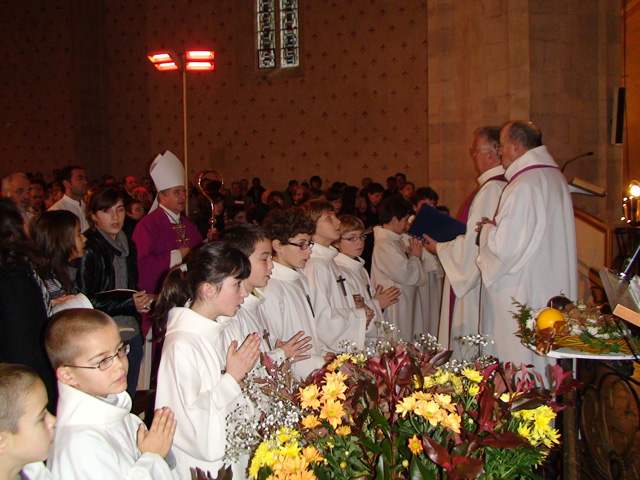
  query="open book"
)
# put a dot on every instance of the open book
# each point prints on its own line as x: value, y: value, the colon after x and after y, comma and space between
x: 439, y: 226
x: 78, y: 301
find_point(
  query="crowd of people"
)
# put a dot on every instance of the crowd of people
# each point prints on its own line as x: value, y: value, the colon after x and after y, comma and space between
x: 94, y: 273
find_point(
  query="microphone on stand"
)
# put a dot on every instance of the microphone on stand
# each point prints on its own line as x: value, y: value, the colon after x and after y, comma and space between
x: 574, y: 158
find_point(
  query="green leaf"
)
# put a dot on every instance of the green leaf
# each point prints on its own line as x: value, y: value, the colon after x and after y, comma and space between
x: 386, y: 450
x: 382, y: 469
x: 419, y: 471
x: 370, y: 445
x: 378, y: 419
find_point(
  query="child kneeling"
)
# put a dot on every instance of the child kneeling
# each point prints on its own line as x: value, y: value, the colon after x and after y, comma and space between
x: 97, y: 437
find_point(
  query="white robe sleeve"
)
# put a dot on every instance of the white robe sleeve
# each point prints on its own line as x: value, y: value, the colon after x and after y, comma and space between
x: 200, y: 414
x: 458, y: 257
x: 284, y: 323
x: 337, y: 319
x: 509, y: 245
x: 391, y: 260
x: 91, y: 455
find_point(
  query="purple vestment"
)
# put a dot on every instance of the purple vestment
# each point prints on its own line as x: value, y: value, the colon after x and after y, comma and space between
x: 155, y: 237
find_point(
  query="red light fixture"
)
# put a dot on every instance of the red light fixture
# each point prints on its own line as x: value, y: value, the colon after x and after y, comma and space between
x: 200, y: 55
x: 200, y: 66
x: 163, y: 61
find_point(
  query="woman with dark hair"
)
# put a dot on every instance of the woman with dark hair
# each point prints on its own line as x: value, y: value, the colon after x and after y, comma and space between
x: 198, y: 378
x: 24, y: 300
x: 109, y: 263
x: 58, y: 238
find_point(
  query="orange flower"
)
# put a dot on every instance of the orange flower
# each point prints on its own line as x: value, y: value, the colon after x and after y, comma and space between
x: 415, y: 445
x: 344, y: 430
x: 333, y: 390
x: 332, y: 411
x: 310, y: 422
x: 309, y: 396
x: 312, y: 455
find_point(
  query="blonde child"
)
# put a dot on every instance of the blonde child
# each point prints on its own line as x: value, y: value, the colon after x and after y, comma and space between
x: 350, y: 245
x: 26, y: 427
x: 97, y: 437
x: 345, y: 318
x: 198, y: 378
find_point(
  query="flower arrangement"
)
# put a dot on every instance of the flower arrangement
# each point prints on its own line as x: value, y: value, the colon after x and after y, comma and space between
x: 409, y: 413
x: 583, y: 327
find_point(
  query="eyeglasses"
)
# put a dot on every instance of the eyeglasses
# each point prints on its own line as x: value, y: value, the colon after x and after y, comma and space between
x: 105, y: 363
x: 301, y: 246
x: 354, y: 239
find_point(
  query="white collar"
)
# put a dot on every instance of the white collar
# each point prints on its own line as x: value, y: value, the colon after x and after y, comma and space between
x: 321, y: 251
x: 182, y: 318
x: 80, y: 408
x: 492, y: 172
x: 381, y: 232
x: 536, y: 156
x: 173, y: 218
x: 349, y: 262
x: 287, y: 274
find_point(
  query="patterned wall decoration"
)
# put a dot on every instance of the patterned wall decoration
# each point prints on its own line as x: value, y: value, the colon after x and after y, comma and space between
x: 356, y: 107
x: 37, y: 102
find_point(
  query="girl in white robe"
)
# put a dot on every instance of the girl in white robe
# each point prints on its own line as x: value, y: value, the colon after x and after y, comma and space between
x: 197, y: 378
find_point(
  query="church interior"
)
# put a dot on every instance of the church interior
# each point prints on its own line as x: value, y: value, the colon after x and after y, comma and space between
x: 379, y: 87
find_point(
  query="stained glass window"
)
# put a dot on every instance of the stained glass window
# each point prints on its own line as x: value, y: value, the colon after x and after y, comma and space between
x: 281, y: 36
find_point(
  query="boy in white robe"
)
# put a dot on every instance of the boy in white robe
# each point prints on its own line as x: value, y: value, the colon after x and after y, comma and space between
x: 97, y: 437
x: 255, y: 243
x: 287, y: 306
x: 26, y: 432
x: 408, y: 268
x: 351, y: 245
x: 342, y: 319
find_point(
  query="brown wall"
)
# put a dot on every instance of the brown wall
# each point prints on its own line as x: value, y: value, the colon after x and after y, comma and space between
x: 384, y: 86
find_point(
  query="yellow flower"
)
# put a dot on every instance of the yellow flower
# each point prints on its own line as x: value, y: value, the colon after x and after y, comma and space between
x: 310, y: 422
x: 289, y: 449
x: 473, y: 390
x: 423, y: 396
x: 343, y: 465
x: 452, y: 422
x: 406, y: 405
x: 415, y: 445
x: 335, y: 377
x: 426, y: 409
x: 332, y: 411
x: 429, y: 382
x: 416, y: 381
x: 333, y: 390
x: 285, y: 434
x: 290, y: 465
x: 333, y: 366
x: 344, y: 430
x: 444, y: 401
x: 443, y: 377
x: 302, y: 475
x: 309, y: 396
x: 472, y: 374
x: 405, y: 463
x: 311, y: 454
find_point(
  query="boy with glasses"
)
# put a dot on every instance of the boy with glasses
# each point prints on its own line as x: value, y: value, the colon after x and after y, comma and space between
x: 350, y: 246
x: 287, y: 307
x: 96, y: 436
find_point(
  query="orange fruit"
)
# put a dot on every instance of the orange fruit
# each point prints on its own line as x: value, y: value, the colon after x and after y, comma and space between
x: 548, y: 318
